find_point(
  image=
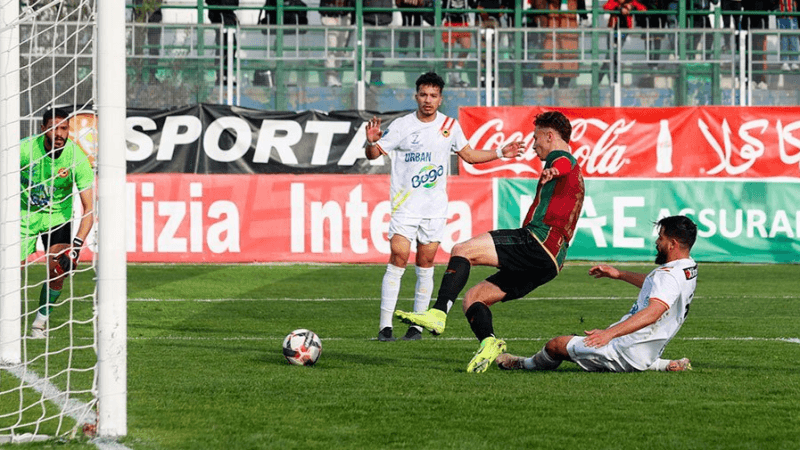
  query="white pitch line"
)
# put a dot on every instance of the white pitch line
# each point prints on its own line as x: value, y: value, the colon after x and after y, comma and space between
x: 81, y: 412
x: 274, y: 338
x: 352, y: 299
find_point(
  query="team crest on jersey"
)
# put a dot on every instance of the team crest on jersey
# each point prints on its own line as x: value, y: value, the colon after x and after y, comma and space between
x: 446, y: 125
x: 63, y: 172
x: 690, y: 272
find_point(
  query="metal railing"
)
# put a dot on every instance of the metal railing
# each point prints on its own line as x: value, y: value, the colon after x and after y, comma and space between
x: 502, y: 65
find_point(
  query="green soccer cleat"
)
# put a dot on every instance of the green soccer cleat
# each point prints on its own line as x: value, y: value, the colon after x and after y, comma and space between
x: 432, y: 320
x: 490, y: 349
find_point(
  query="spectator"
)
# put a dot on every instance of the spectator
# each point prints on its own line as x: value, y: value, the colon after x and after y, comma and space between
x: 228, y: 18
x: 490, y: 19
x: 412, y: 17
x: 789, y: 44
x: 759, y: 41
x: 148, y: 13
x: 701, y: 22
x: 561, y: 45
x: 456, y: 20
x: 376, y: 38
x: 336, y: 38
x: 620, y: 18
x: 494, y: 19
x: 730, y: 21
x: 533, y: 40
x: 655, y: 22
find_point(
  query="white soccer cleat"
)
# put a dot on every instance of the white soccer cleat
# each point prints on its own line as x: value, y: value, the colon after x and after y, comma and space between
x: 679, y: 365
x: 507, y: 361
x: 38, y: 333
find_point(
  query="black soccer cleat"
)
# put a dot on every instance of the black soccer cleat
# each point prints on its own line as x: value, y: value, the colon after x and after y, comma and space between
x: 413, y: 334
x: 385, y: 335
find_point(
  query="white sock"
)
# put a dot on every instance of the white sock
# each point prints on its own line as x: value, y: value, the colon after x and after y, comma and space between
x: 660, y: 365
x: 540, y: 361
x: 390, y: 289
x: 40, y: 320
x: 423, y: 291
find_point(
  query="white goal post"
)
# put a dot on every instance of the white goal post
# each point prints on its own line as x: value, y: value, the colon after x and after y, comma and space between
x: 41, y: 373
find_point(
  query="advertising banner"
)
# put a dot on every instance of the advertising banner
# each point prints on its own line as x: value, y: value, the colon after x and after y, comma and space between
x: 744, y: 221
x: 257, y: 218
x: 218, y: 139
x: 685, y: 142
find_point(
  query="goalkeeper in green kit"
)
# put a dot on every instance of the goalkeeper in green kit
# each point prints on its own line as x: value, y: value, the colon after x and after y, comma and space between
x: 50, y: 166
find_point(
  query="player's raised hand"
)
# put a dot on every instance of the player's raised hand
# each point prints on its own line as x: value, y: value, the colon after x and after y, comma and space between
x: 513, y: 149
x: 373, y: 130
x: 548, y: 174
x: 604, y: 271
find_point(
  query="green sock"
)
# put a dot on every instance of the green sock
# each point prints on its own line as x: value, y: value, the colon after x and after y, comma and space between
x: 46, y: 299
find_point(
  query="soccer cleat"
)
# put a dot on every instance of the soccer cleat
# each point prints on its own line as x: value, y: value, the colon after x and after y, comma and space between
x: 432, y: 320
x: 385, y: 335
x: 413, y: 334
x: 679, y: 365
x: 38, y: 333
x: 507, y: 361
x: 490, y: 349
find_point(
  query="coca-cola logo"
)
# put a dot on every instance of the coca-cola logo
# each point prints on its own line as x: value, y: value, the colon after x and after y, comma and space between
x: 490, y: 136
x: 604, y: 155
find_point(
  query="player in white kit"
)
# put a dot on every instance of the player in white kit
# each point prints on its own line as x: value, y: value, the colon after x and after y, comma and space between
x: 636, y: 342
x: 419, y: 146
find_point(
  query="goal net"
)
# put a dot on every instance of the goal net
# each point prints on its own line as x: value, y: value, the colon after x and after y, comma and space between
x: 56, y: 312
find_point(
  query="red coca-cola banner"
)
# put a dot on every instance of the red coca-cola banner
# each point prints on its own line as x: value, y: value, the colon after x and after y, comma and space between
x: 686, y: 142
x: 266, y: 218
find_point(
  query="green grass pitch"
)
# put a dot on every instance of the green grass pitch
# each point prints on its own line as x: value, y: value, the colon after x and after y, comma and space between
x: 205, y: 369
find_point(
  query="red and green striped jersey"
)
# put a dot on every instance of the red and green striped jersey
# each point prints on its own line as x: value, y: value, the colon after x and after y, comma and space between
x: 557, y: 206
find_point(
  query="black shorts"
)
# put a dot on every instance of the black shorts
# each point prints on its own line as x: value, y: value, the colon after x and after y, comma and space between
x: 60, y: 234
x: 524, y: 263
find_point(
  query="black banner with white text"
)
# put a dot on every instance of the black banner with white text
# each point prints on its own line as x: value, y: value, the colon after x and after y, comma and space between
x: 217, y: 139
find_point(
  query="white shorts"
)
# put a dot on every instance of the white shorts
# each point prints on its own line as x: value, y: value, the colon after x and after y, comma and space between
x: 603, y: 359
x: 424, y: 231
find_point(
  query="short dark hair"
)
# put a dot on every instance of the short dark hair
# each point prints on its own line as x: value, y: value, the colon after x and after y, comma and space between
x: 680, y: 228
x: 51, y: 113
x: 555, y: 120
x: 430, y: 79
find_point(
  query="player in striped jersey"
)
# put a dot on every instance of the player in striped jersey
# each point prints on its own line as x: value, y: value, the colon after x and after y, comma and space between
x: 526, y: 257
x: 419, y: 146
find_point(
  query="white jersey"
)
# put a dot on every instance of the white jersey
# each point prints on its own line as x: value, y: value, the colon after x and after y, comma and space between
x: 420, y: 155
x: 674, y: 284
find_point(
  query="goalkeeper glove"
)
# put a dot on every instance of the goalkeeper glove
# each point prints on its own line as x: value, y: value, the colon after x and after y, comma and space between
x: 69, y: 260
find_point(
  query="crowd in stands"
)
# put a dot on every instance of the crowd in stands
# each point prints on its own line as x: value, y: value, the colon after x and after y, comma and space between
x: 562, y: 14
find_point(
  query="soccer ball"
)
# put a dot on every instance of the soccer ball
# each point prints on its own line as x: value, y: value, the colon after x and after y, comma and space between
x: 302, y: 347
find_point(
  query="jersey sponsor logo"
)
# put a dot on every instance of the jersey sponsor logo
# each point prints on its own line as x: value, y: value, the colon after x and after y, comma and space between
x: 690, y: 272
x: 418, y: 157
x: 63, y: 172
x: 427, y: 177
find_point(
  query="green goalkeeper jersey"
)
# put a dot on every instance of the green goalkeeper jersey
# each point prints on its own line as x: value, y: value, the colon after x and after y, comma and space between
x: 46, y: 183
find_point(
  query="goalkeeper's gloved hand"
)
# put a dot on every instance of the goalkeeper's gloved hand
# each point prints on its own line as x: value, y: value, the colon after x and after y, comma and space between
x: 69, y: 260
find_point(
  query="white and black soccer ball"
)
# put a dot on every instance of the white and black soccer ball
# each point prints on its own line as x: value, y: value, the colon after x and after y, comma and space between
x: 302, y: 347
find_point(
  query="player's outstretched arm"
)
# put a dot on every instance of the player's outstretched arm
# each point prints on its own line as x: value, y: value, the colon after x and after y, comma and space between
x: 605, y: 271
x: 374, y: 133
x: 472, y: 156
